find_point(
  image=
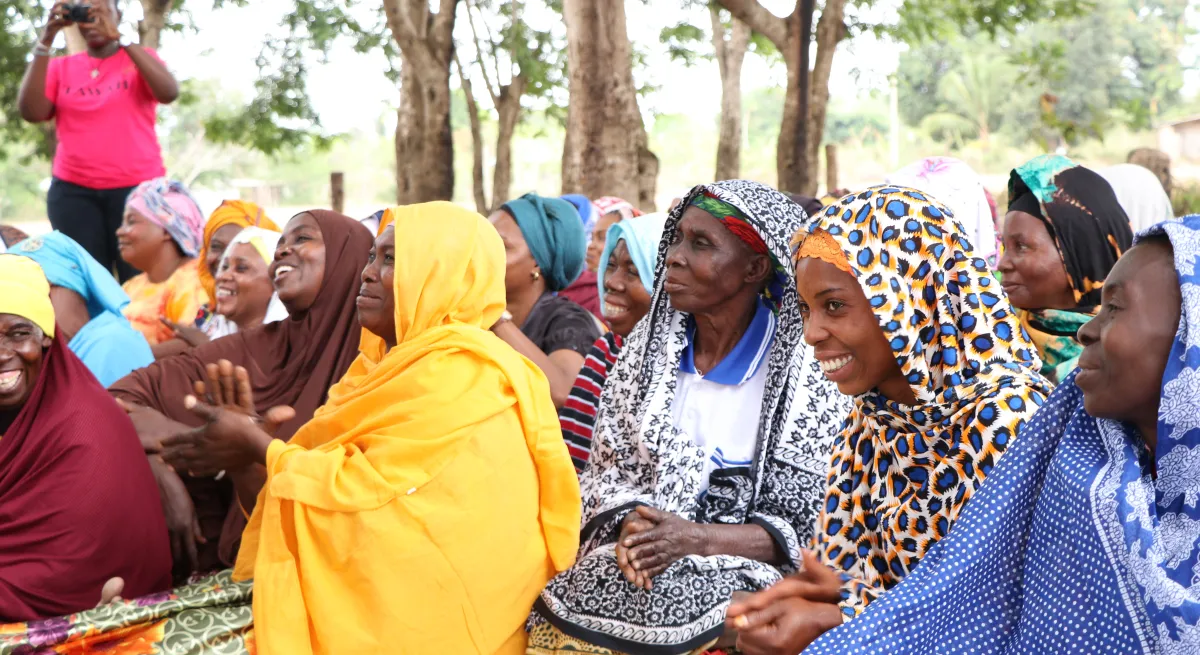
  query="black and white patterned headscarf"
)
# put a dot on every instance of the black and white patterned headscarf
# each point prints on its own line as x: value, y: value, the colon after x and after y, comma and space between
x: 640, y: 458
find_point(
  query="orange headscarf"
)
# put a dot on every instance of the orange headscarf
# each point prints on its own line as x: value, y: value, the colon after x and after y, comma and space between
x: 231, y: 212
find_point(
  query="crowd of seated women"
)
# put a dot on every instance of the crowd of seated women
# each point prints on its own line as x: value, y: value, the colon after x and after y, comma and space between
x: 885, y: 422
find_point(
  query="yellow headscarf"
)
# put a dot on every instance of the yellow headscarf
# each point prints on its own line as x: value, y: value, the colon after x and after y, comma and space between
x: 231, y: 212
x: 25, y: 292
x: 427, y: 503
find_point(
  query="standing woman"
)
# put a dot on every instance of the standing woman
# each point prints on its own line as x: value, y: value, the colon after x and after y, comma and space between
x: 544, y: 250
x: 1064, y: 232
x: 161, y: 235
x: 103, y: 104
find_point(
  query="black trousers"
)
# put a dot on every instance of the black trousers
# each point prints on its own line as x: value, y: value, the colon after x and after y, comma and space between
x: 91, y: 217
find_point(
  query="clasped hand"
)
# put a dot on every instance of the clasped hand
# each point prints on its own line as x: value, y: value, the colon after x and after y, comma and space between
x: 787, y: 617
x: 233, y: 436
x: 652, y: 540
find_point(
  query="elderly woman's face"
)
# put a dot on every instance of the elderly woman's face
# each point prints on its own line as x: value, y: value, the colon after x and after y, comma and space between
x: 141, y: 240
x: 217, y: 245
x: 707, y: 266
x: 1033, y: 272
x: 518, y: 260
x: 299, y: 266
x: 626, y: 300
x: 1127, y: 344
x: 243, y: 288
x: 845, y: 335
x: 376, y: 295
x: 22, y: 345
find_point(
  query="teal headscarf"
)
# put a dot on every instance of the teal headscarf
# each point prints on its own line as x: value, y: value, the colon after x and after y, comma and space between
x: 642, y: 235
x: 555, y: 236
x: 108, y: 345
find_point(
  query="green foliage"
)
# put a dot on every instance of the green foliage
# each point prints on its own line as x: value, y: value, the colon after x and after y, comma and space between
x: 22, y: 21
x: 1185, y: 198
x: 682, y: 42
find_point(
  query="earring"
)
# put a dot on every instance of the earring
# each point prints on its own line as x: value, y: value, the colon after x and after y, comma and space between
x: 537, y: 275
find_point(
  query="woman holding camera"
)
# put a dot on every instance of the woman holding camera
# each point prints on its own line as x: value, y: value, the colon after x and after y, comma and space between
x: 103, y: 102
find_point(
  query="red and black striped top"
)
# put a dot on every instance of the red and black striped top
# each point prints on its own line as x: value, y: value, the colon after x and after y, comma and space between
x: 578, y: 415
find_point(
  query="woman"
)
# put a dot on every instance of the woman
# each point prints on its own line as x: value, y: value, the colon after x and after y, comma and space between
x: 583, y: 290
x: 1140, y: 194
x: 87, y: 307
x: 956, y: 184
x: 543, y: 244
x: 293, y: 362
x: 245, y: 296
x: 627, y: 265
x: 1083, y: 540
x: 76, y: 497
x: 230, y: 218
x: 441, y: 444
x: 103, y: 103
x: 609, y: 211
x: 1064, y: 232
x: 711, y: 444
x: 905, y: 318
x: 161, y: 235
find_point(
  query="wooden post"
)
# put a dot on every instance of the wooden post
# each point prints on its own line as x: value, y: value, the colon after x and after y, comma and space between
x: 831, y: 168
x: 337, y: 191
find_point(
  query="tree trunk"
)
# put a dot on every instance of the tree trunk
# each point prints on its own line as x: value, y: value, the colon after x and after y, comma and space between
x: 730, y: 55
x: 424, y: 147
x: 481, y: 203
x: 604, y: 152
x: 797, y: 170
x: 154, y: 19
x: 508, y: 109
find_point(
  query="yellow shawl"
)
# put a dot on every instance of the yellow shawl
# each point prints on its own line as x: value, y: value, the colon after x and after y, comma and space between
x: 427, y: 503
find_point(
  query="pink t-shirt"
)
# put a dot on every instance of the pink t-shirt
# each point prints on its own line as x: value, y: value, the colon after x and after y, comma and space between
x: 105, y: 124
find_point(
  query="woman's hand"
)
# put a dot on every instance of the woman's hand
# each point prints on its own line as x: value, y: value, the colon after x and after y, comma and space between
x: 151, y: 426
x: 190, y: 334
x: 105, y: 23
x: 183, y: 527
x: 55, y: 21
x: 631, y: 525
x: 670, y: 538
x: 791, y: 614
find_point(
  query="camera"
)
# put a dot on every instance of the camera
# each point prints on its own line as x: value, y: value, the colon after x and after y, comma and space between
x: 77, y: 13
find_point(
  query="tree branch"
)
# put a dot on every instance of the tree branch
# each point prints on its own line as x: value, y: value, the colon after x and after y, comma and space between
x: 718, y: 37
x: 752, y: 13
x: 480, y: 57
x: 481, y: 203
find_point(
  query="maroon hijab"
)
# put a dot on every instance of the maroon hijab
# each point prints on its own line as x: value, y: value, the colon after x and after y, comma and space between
x: 78, y: 503
x: 291, y: 362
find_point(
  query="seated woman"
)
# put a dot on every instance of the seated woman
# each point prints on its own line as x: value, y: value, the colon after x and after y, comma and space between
x: 905, y: 318
x: 441, y: 444
x: 583, y: 290
x: 1141, y: 195
x: 316, y: 272
x: 77, y: 499
x: 956, y: 184
x: 1084, y: 539
x: 610, y: 210
x: 544, y: 246
x: 712, y: 442
x: 1063, y: 233
x: 161, y: 236
x: 245, y: 295
x: 230, y: 218
x: 87, y: 308
x: 627, y: 265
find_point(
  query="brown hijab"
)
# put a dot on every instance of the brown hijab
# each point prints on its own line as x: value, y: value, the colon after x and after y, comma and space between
x: 291, y: 362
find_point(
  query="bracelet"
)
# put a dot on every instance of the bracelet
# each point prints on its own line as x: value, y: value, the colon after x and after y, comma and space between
x: 41, y: 50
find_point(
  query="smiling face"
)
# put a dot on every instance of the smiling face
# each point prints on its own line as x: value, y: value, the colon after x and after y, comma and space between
x: 845, y: 334
x: 141, y: 240
x: 217, y: 245
x: 376, y: 296
x: 707, y: 266
x: 243, y: 287
x: 22, y: 350
x: 1033, y: 272
x: 626, y: 301
x: 299, y: 266
x: 1127, y: 344
x: 596, y: 241
x: 518, y: 260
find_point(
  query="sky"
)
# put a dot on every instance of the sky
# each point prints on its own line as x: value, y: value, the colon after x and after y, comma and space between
x: 350, y: 89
